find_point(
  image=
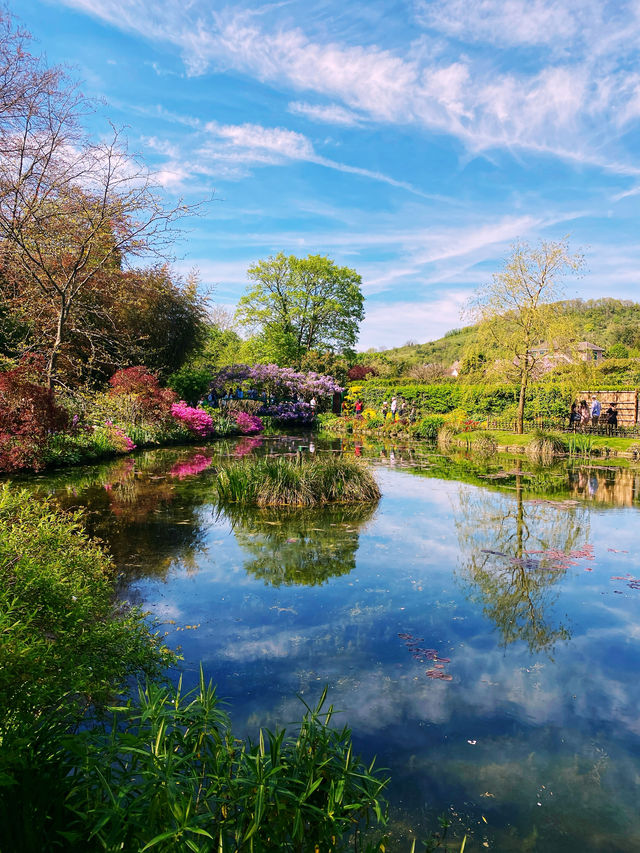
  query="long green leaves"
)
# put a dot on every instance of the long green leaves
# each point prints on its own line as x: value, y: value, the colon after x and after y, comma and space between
x: 287, y: 482
x: 168, y: 775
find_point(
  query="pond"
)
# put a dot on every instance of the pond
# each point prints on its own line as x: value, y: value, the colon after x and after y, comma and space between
x: 479, y: 627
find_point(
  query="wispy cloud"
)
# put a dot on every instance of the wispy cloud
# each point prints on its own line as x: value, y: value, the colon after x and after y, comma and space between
x: 326, y: 114
x: 556, y: 105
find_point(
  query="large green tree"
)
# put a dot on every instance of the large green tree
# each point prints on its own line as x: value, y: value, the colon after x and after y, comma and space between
x: 296, y: 305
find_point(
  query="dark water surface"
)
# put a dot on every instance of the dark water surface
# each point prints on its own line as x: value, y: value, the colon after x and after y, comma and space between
x: 480, y: 627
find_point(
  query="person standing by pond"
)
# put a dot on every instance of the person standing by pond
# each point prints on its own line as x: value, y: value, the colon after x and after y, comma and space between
x: 595, y: 411
x: 574, y: 417
x: 394, y: 408
x: 585, y: 415
x: 611, y: 418
x: 358, y: 408
x: 385, y: 409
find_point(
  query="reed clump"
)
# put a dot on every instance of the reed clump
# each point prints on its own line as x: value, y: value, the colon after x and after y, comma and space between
x: 544, y: 447
x: 284, y: 481
x: 446, y: 438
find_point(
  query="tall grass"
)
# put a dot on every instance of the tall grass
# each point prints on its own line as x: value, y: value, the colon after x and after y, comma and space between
x: 544, y: 447
x: 287, y: 482
x: 169, y: 775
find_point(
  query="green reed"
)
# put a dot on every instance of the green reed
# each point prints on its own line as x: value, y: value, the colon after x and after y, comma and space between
x: 296, y: 482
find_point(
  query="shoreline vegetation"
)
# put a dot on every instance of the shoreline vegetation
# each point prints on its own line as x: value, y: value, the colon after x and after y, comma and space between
x: 87, y: 763
x: 296, y: 482
x: 471, y: 437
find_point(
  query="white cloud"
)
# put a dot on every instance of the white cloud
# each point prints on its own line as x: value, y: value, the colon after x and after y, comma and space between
x: 325, y: 114
x: 505, y: 22
x: 560, y: 104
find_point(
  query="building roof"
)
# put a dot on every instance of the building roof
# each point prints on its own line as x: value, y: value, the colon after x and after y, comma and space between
x: 581, y: 345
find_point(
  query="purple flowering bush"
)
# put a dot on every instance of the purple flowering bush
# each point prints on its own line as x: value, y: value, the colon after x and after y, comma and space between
x: 276, y: 381
x: 298, y: 412
x: 248, y: 424
x: 195, y: 420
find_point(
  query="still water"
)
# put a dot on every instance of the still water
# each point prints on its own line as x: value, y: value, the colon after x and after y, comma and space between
x: 479, y: 627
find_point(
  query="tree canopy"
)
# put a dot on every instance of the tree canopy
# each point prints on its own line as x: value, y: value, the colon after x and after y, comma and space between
x: 296, y: 305
x: 515, y: 309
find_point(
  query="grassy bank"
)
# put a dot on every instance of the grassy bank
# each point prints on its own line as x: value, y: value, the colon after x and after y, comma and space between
x: 290, y: 482
x: 602, y: 445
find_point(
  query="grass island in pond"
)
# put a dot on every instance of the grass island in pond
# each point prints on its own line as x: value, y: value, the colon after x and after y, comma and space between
x: 296, y: 482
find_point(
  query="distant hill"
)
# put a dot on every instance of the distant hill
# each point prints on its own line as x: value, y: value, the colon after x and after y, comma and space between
x: 603, y: 322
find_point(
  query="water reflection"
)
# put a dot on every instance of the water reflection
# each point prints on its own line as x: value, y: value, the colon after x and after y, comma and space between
x: 299, y: 546
x: 536, y: 734
x: 512, y: 556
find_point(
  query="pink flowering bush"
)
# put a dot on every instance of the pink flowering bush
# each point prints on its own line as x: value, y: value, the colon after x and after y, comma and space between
x: 248, y: 424
x: 195, y: 420
x: 118, y: 438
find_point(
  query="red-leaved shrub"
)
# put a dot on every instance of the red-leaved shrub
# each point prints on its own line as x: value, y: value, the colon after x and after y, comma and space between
x: 28, y: 415
x: 359, y: 372
x: 152, y: 403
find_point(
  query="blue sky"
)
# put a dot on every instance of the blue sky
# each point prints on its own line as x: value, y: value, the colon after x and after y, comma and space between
x: 413, y: 141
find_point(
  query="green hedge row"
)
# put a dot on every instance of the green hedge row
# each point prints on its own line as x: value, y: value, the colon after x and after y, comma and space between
x: 479, y: 401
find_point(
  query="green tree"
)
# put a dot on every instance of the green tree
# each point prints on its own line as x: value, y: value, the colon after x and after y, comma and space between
x: 296, y: 305
x: 516, y: 314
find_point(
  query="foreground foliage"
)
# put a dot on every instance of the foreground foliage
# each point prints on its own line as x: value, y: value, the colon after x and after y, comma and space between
x: 64, y: 645
x: 164, y: 772
x: 168, y: 775
x: 291, y: 482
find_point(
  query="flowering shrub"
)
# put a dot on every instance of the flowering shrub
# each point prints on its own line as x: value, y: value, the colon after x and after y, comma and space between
x: 276, y: 381
x: 248, y: 424
x: 28, y: 416
x: 118, y: 438
x: 142, y: 395
x: 298, y: 412
x: 359, y: 372
x: 197, y: 421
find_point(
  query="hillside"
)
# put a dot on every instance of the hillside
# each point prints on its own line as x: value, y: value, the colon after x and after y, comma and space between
x: 604, y: 322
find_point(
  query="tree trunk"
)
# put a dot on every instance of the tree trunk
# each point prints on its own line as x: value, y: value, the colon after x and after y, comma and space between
x: 55, y: 350
x: 520, y: 418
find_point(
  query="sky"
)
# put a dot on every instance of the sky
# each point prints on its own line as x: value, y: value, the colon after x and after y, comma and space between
x: 413, y: 141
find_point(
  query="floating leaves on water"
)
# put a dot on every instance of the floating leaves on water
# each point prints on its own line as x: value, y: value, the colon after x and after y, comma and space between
x: 632, y: 583
x: 423, y: 655
x: 547, y: 560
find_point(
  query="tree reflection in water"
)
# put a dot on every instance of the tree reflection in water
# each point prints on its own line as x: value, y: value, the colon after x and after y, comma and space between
x: 289, y: 546
x: 517, y: 594
x: 145, y: 509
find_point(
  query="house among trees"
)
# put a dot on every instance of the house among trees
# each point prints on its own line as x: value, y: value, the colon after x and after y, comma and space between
x: 547, y: 358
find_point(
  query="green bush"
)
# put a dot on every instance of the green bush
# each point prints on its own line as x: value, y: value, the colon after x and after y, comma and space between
x: 427, y: 427
x: 64, y: 646
x: 190, y: 384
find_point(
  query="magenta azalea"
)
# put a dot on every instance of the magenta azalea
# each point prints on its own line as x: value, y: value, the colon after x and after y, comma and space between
x: 196, y: 420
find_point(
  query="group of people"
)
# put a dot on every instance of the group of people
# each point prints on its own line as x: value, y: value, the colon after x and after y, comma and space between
x: 397, y: 410
x: 583, y: 415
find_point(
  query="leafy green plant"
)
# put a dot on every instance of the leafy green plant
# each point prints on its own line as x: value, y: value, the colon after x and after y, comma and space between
x: 168, y: 774
x: 427, y: 427
x: 64, y: 646
x: 580, y: 445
